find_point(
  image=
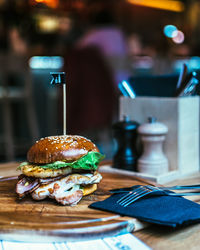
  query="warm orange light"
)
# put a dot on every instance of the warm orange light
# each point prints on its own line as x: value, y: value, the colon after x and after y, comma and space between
x: 170, y: 5
x: 50, y: 3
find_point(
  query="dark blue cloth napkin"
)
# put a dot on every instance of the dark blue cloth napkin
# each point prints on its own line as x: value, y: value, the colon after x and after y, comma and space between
x: 163, y: 210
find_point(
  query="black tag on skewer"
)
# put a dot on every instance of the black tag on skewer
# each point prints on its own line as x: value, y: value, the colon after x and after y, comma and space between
x: 58, y: 78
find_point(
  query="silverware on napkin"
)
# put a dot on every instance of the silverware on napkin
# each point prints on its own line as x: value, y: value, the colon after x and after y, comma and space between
x: 145, y: 190
x: 177, y: 187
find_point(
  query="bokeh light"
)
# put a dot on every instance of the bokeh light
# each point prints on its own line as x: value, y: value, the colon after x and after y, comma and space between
x: 169, y: 30
x: 178, y: 37
x: 46, y: 62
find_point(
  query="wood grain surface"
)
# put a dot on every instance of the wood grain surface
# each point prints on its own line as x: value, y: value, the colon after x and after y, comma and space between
x: 48, y: 221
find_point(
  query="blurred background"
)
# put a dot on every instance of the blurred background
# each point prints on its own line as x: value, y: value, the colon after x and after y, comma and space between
x: 98, y: 43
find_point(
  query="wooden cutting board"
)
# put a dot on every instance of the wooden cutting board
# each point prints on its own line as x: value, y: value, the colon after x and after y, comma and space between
x: 47, y: 221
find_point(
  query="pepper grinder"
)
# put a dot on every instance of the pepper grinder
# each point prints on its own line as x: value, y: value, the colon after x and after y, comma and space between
x: 125, y: 136
x: 152, y: 161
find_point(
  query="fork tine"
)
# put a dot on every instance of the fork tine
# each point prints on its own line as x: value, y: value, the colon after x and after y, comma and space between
x: 153, y: 187
x: 136, y: 192
x: 124, y: 196
x: 150, y: 191
x: 136, y: 198
x: 132, y: 196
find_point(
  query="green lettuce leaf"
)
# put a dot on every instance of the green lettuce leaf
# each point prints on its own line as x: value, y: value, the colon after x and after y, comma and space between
x: 87, y: 162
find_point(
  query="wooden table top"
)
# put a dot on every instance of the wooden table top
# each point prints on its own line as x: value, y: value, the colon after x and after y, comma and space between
x: 155, y: 237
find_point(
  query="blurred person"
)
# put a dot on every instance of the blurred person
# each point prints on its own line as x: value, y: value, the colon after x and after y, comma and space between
x: 106, y: 36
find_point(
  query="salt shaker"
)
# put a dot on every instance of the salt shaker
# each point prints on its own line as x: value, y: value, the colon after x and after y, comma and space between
x: 125, y: 136
x: 152, y: 161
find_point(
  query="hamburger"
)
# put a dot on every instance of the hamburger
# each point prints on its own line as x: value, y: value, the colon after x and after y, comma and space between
x: 62, y: 167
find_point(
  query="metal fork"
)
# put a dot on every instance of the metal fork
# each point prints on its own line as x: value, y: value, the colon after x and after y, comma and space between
x: 136, y: 194
x: 142, y: 191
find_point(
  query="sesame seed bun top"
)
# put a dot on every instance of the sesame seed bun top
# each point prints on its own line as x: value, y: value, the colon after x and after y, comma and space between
x: 66, y: 148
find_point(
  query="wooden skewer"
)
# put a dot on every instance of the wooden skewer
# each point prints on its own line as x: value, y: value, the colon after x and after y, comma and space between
x: 59, y: 78
x: 64, y: 109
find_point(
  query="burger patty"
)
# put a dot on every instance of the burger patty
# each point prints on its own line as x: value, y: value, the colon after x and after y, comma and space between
x: 67, y: 190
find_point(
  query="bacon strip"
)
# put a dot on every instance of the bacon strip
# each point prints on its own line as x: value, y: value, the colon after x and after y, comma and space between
x: 26, y: 185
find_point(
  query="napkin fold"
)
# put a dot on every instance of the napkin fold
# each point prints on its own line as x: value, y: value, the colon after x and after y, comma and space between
x: 163, y: 210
